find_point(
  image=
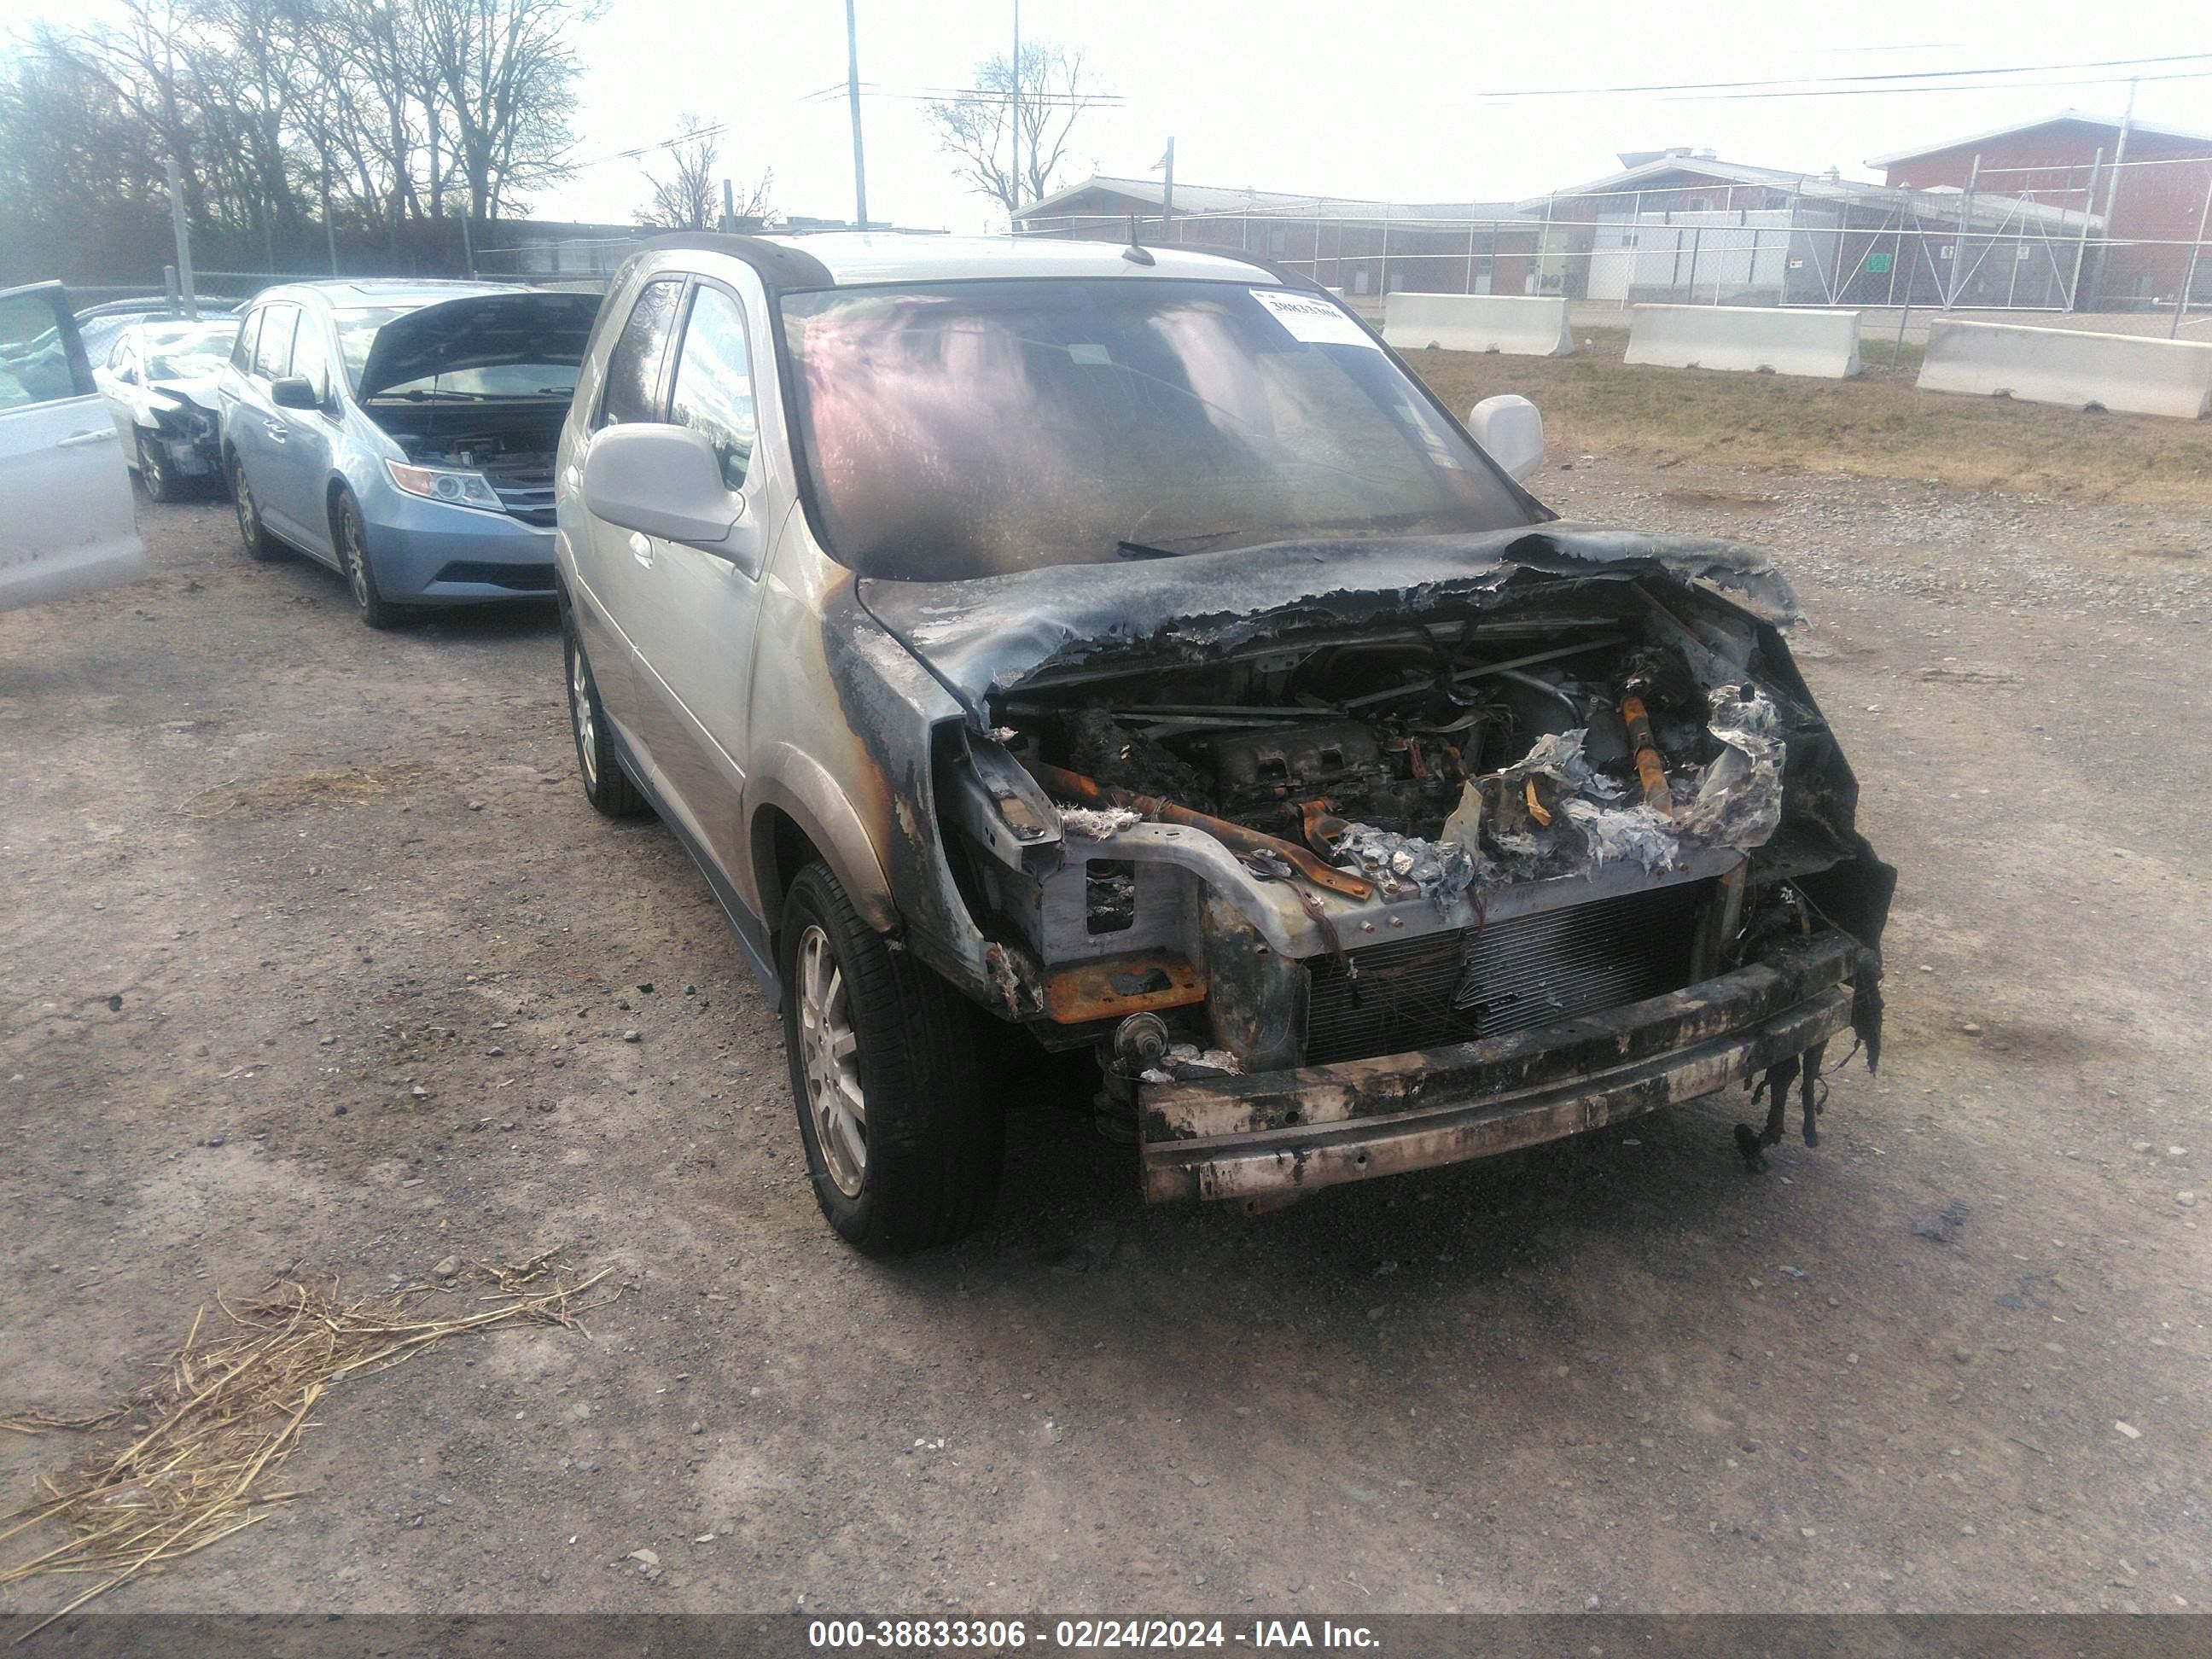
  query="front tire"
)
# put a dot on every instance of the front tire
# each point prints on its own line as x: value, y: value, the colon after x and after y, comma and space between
x: 352, y: 536
x: 606, y: 786
x: 905, y: 1136
x: 259, y: 543
x: 154, y: 471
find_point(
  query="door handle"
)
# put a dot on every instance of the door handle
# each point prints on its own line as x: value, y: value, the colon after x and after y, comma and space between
x: 641, y: 548
x: 569, y: 476
x: 107, y: 434
x: 276, y: 430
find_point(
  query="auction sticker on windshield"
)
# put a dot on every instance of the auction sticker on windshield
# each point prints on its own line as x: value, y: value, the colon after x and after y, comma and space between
x: 1315, y: 321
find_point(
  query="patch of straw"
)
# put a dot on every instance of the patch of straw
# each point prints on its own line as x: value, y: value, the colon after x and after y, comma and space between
x: 231, y: 1408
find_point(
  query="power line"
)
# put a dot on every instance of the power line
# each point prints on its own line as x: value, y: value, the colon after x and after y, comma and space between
x: 1839, y: 79
x: 642, y: 150
x: 1979, y: 85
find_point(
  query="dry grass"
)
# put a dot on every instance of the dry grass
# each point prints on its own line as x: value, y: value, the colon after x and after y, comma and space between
x: 1876, y: 426
x: 207, y: 1439
x: 287, y: 791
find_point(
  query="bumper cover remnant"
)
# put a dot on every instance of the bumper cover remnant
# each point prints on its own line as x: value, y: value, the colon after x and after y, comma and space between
x: 1281, y: 1134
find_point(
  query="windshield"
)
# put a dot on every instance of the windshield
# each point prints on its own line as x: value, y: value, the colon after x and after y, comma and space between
x: 189, y: 354
x: 971, y: 428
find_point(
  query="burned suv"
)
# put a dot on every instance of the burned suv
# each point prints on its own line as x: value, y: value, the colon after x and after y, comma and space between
x: 1122, y: 648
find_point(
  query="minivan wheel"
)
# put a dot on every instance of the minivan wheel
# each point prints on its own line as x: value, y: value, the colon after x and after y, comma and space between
x: 904, y: 1132
x: 606, y: 786
x: 360, y: 569
x: 259, y: 543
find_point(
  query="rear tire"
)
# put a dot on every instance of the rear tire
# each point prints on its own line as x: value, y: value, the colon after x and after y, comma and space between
x: 359, y: 568
x: 905, y: 1136
x: 606, y: 786
x: 259, y: 543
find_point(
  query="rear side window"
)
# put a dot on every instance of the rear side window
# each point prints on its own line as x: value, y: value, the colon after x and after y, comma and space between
x: 40, y: 360
x: 242, y: 354
x: 272, y: 356
x: 713, y: 393
x: 633, y: 366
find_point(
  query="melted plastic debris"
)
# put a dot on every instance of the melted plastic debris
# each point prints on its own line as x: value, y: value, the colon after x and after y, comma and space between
x: 1097, y: 822
x: 1441, y: 869
x: 1002, y: 734
x: 1738, y: 799
x: 1558, y: 755
x: 1189, y: 1060
x: 1624, y: 834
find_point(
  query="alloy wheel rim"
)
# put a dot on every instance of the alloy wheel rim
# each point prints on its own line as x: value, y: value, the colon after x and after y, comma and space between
x: 355, y: 560
x: 249, y: 521
x: 830, y: 1051
x: 580, y: 711
x: 149, y: 467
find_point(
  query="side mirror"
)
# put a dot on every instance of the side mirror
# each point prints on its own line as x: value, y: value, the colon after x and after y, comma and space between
x: 1510, y: 432
x: 663, y: 481
x: 294, y: 391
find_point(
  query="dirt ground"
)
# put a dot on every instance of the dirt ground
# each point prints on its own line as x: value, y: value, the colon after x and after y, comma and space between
x: 315, y: 958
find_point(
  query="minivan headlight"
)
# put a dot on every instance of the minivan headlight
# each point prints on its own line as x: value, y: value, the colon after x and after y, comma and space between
x: 445, y: 483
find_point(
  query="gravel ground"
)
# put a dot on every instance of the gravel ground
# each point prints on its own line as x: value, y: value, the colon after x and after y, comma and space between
x: 315, y: 958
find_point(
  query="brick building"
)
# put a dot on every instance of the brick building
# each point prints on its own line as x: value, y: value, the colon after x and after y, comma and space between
x: 2154, y: 205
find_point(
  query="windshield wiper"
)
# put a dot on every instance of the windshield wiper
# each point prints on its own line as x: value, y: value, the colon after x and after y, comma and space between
x: 1129, y: 550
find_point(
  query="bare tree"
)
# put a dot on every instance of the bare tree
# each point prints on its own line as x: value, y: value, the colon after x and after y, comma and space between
x: 507, y: 73
x: 686, y: 200
x: 975, y: 127
x: 691, y: 197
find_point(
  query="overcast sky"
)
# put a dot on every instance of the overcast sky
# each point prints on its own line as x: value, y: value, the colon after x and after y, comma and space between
x: 1373, y: 101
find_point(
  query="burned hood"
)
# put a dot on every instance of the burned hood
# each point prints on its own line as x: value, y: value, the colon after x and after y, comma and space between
x: 481, y: 332
x: 987, y: 634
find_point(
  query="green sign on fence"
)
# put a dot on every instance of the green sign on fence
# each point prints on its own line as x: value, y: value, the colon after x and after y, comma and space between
x: 1878, y: 262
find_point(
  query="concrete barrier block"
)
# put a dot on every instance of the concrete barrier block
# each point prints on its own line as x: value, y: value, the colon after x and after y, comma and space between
x: 2071, y: 367
x: 1516, y: 325
x: 1822, y: 345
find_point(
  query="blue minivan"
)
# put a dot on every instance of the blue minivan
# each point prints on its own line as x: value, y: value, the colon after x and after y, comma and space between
x: 402, y: 432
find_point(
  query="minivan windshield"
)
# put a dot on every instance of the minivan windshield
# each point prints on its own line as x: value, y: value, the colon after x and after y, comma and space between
x: 963, y: 429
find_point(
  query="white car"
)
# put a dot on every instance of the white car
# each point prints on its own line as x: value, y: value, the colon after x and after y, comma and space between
x: 67, y: 524
x: 159, y: 381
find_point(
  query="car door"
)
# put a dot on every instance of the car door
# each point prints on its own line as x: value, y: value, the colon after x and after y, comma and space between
x: 299, y: 465
x: 119, y: 383
x: 612, y: 564
x: 234, y: 393
x: 67, y: 520
x: 694, y: 636
x: 265, y: 430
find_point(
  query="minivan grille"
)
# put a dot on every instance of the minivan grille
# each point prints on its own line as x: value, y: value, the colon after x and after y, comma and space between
x: 1509, y: 976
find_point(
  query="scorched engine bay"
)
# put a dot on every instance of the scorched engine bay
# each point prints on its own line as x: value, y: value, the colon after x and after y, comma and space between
x: 1425, y: 827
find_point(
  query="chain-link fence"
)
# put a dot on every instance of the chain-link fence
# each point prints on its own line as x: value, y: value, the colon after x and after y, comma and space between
x: 2019, y: 239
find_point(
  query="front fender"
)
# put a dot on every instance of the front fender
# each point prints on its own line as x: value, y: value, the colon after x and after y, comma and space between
x: 792, y: 781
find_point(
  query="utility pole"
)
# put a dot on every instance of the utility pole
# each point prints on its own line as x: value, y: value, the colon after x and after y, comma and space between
x: 2112, y: 190
x: 1167, y: 203
x: 853, y: 98
x: 2189, y: 281
x: 330, y: 231
x: 183, y: 233
x: 1014, y: 86
x: 729, y: 207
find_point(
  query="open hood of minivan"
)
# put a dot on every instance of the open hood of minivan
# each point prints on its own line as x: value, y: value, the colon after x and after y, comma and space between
x: 481, y: 331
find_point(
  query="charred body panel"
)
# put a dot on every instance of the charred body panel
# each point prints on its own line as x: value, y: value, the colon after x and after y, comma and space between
x: 1315, y: 808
